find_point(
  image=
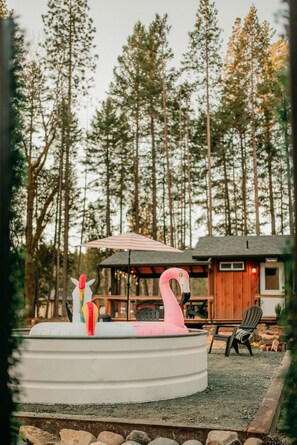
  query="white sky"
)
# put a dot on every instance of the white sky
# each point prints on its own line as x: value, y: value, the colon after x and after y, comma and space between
x: 114, y: 21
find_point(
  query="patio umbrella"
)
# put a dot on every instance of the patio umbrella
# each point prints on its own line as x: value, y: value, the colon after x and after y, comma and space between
x: 130, y: 241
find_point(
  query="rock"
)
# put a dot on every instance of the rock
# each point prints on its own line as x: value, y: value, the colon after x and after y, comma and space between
x: 75, y: 437
x: 253, y: 441
x: 98, y: 443
x: 163, y: 441
x: 110, y: 438
x: 138, y: 436
x: 222, y: 438
x: 192, y: 442
x: 33, y: 435
x: 131, y: 442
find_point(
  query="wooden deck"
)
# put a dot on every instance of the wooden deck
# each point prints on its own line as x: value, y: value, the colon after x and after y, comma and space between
x: 116, y: 306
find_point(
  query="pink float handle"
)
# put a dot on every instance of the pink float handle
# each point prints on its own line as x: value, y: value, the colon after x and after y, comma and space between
x: 82, y: 282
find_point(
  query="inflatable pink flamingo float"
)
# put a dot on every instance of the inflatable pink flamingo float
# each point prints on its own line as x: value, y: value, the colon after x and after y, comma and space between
x: 173, y: 316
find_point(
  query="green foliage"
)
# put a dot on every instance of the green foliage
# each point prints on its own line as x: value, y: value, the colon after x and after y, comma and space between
x: 252, y: 80
x: 69, y: 44
x: 202, y: 61
x: 16, y: 259
x: 289, y: 408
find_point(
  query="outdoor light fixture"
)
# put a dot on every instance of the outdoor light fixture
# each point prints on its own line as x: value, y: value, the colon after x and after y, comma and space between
x: 254, y: 270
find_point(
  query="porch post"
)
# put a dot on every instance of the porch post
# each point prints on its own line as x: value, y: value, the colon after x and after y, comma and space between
x: 113, y: 290
x: 211, y: 290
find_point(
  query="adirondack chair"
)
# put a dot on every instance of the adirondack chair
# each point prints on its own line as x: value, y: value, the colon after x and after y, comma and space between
x: 147, y: 313
x: 240, y: 334
x: 199, y: 309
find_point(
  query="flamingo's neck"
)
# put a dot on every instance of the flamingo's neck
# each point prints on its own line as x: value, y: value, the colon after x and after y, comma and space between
x: 172, y: 311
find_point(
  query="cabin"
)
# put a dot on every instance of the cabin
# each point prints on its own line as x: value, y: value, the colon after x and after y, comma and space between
x: 232, y: 272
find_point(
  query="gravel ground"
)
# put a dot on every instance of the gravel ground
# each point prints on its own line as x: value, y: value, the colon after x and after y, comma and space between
x: 236, y: 387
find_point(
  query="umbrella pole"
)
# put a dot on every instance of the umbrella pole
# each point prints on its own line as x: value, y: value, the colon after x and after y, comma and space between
x: 128, y: 284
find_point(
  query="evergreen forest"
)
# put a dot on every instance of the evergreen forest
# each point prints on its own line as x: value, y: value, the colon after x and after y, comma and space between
x: 178, y: 149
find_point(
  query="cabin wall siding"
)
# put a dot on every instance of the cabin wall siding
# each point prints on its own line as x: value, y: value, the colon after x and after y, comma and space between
x: 234, y: 291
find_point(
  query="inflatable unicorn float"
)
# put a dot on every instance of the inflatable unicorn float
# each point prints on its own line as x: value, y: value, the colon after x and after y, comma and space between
x: 85, y: 313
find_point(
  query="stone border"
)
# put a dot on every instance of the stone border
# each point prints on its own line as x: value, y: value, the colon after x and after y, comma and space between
x: 263, y: 423
x: 53, y: 423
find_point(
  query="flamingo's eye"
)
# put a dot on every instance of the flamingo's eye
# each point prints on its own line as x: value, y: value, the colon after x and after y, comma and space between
x: 180, y: 275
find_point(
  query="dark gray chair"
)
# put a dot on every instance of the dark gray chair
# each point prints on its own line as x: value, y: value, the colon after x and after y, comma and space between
x: 199, y: 309
x: 240, y: 334
x: 147, y: 313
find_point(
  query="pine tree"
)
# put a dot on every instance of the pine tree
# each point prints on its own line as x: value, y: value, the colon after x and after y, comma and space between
x: 128, y: 92
x: 235, y: 113
x: 202, y: 61
x: 69, y: 44
x: 160, y: 53
x: 103, y: 156
x: 252, y: 43
x: 41, y: 125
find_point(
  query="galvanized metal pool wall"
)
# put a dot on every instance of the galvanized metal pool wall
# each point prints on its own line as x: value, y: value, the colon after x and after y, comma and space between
x: 112, y: 370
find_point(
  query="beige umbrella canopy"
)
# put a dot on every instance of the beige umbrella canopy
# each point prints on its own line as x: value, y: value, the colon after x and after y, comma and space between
x: 130, y: 241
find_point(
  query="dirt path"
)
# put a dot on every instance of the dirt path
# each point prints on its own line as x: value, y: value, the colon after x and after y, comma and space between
x: 236, y: 387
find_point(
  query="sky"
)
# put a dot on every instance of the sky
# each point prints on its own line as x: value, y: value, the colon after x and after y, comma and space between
x: 114, y: 21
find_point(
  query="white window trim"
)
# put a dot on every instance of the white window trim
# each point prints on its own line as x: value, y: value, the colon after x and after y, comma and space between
x: 231, y: 268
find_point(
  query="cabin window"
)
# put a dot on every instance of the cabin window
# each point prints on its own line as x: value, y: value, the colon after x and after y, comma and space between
x: 272, y: 278
x: 226, y: 266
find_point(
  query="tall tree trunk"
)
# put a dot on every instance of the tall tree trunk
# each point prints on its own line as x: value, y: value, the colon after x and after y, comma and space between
x: 168, y: 168
x: 83, y: 213
x: 164, y: 225
x: 228, y: 225
x: 108, y: 218
x: 122, y: 181
x: 243, y: 184
x: 59, y: 228
x: 136, y: 170
x: 189, y: 174
x: 288, y: 169
x: 29, y: 258
x: 234, y: 180
x: 154, y: 180
x: 67, y: 169
x: 270, y: 177
x: 66, y: 229
x: 31, y: 190
x: 254, y: 144
x: 208, y: 130
x: 52, y: 275
x: 181, y: 183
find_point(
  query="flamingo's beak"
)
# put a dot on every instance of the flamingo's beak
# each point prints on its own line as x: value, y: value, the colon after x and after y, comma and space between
x: 185, y: 298
x: 90, y: 312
